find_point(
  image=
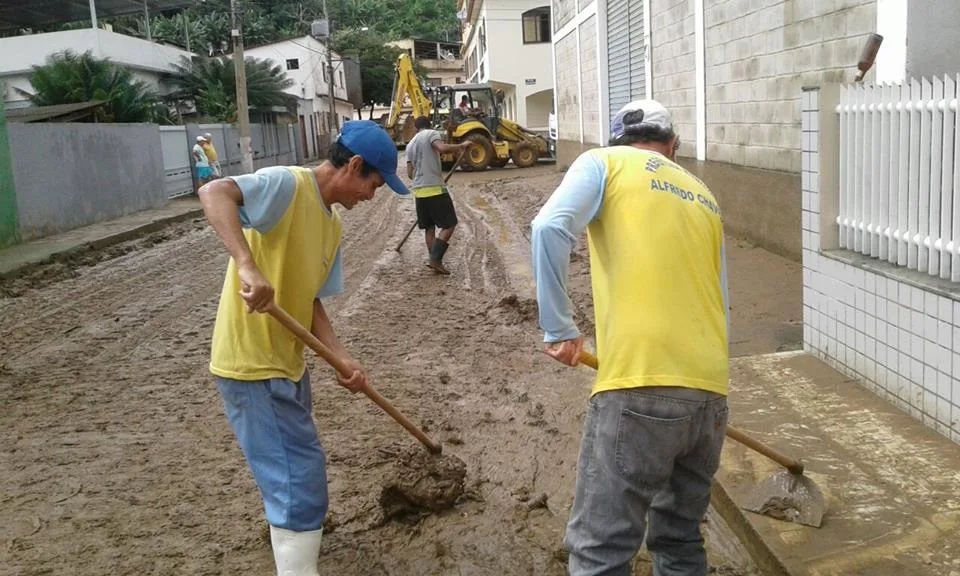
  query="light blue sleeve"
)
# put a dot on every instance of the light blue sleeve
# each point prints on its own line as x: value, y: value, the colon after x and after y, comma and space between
x: 267, y: 194
x: 554, y: 233
x: 334, y: 283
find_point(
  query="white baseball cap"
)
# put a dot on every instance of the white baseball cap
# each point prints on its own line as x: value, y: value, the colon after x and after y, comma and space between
x: 639, y: 113
x: 201, y: 139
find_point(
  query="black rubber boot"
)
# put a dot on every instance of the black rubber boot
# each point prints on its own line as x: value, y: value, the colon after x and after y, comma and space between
x: 436, y: 256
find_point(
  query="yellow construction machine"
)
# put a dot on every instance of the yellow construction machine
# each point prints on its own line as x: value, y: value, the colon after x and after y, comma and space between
x: 496, y: 140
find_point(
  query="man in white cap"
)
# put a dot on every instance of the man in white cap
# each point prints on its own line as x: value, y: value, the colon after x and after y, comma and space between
x: 658, y: 411
x: 201, y: 163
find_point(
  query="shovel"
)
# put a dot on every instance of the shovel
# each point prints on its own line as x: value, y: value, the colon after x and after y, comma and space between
x: 787, y: 495
x: 340, y: 366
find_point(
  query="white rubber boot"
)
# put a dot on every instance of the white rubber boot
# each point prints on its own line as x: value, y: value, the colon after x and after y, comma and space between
x: 295, y: 553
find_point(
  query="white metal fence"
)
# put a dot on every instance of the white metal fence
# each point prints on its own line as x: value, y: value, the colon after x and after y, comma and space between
x: 900, y: 174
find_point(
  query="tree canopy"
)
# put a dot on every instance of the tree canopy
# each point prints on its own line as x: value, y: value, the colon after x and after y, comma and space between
x: 211, y: 84
x: 70, y: 78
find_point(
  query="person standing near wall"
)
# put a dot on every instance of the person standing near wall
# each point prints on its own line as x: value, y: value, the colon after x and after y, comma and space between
x: 212, y: 156
x: 201, y: 163
x: 658, y: 410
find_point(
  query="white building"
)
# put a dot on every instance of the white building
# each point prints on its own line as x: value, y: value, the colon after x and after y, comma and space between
x: 507, y: 44
x: 305, y: 61
x: 148, y: 61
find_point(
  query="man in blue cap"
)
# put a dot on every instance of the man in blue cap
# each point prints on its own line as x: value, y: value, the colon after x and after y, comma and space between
x: 283, y: 235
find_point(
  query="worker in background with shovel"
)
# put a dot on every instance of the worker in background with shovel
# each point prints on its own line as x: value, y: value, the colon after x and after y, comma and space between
x: 283, y: 235
x: 655, y: 424
x: 434, y: 205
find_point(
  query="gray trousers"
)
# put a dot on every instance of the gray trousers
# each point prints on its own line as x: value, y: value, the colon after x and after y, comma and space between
x: 646, y: 464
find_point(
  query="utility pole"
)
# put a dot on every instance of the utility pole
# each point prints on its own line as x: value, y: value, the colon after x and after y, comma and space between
x: 243, y: 112
x: 330, y: 95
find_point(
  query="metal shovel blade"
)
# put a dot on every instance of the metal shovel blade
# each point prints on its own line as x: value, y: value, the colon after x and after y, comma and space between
x: 789, y: 497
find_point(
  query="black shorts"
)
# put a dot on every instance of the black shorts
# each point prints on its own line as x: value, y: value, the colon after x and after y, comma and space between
x: 436, y: 211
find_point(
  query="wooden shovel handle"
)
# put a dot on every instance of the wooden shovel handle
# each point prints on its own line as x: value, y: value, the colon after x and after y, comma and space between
x: 794, y: 466
x: 305, y: 336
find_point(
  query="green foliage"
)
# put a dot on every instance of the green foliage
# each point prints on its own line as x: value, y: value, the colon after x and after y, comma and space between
x: 211, y: 84
x: 266, y: 21
x: 70, y: 78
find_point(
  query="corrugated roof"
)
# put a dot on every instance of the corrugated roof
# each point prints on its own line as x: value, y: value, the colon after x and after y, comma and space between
x: 59, y: 112
x: 16, y: 14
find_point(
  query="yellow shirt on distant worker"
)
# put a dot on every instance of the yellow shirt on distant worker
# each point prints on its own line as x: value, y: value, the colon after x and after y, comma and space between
x: 294, y: 239
x: 657, y: 265
x: 211, y: 152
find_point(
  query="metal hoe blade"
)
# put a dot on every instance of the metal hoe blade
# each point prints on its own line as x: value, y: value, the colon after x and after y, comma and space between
x: 790, y: 497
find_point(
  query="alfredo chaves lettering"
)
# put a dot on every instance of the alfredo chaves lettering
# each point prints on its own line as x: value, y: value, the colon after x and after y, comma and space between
x: 679, y: 192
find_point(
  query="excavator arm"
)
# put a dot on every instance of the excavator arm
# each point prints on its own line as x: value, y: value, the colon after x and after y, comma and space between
x: 406, y: 85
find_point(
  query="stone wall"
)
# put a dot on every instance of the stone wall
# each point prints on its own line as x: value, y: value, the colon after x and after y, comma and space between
x: 672, y: 43
x: 759, y: 54
x: 567, y: 89
x: 590, y: 90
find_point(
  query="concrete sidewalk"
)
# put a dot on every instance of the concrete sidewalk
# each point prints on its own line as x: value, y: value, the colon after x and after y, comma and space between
x: 892, y: 484
x: 97, y: 235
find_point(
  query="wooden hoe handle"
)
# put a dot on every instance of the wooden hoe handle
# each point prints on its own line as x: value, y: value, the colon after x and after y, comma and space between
x: 794, y: 466
x: 340, y: 366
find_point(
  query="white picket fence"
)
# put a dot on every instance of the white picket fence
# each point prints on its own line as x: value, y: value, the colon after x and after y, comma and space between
x: 900, y: 174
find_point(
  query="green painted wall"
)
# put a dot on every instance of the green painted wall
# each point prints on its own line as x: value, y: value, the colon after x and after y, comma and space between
x: 9, y: 233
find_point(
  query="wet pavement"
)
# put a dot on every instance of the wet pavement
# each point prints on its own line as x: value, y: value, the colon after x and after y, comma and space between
x: 892, y: 484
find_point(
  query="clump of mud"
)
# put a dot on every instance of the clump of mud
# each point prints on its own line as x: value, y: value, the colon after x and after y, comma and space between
x: 513, y: 310
x: 422, y: 483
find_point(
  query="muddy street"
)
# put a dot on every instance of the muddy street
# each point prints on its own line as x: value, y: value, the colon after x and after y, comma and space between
x: 117, y: 457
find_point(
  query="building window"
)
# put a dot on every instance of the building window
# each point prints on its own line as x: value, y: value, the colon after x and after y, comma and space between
x: 536, y: 25
x: 293, y: 64
x: 342, y: 81
x: 432, y: 81
x: 324, y: 68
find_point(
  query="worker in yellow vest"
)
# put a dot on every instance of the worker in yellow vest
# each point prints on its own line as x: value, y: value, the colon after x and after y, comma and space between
x: 657, y: 413
x: 283, y: 235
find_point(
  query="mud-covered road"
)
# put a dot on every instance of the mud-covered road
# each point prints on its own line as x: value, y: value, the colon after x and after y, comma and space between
x: 116, y: 457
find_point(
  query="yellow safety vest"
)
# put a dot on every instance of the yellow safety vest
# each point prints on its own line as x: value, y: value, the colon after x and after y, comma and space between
x: 295, y: 256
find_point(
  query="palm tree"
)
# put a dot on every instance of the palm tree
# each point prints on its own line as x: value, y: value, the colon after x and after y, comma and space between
x: 211, y: 84
x: 70, y: 78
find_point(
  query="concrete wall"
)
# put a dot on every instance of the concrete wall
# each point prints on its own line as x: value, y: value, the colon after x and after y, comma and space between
x: 758, y: 56
x: 762, y: 206
x: 9, y: 233
x: 894, y: 330
x: 672, y: 43
x: 563, y: 12
x: 70, y: 175
x: 567, y: 92
x: 590, y: 90
x: 933, y: 33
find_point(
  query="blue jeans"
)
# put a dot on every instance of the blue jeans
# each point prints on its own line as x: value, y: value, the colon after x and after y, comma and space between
x: 272, y: 420
x: 646, y: 464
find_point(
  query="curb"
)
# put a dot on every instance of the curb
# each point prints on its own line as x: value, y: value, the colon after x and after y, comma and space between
x: 105, y: 242
x: 769, y: 563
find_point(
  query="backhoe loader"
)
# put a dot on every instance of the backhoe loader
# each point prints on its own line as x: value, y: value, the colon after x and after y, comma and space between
x: 496, y: 140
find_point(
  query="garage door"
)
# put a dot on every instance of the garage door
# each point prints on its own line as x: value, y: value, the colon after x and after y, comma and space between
x: 625, y: 53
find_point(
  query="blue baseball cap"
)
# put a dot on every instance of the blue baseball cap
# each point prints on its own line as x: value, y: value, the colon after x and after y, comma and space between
x: 370, y: 141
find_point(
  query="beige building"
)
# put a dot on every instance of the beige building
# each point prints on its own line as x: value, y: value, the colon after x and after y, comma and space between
x: 441, y: 60
x: 506, y: 43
